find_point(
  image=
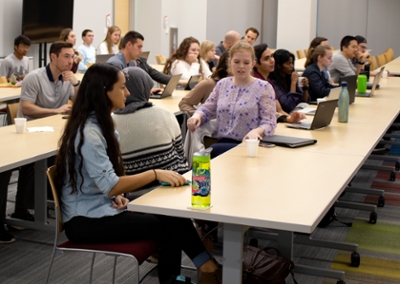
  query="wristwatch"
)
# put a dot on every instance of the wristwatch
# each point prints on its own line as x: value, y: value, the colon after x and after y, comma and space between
x: 77, y: 84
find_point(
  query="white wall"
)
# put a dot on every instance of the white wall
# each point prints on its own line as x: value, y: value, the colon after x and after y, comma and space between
x: 238, y: 15
x: 296, y: 24
x: 10, y: 24
x: 189, y: 23
x: 86, y: 18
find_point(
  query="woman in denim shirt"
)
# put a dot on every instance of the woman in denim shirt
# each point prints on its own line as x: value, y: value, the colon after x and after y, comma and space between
x: 91, y: 178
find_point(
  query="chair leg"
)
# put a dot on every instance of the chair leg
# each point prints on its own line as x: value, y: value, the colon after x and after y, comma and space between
x: 91, y: 268
x: 51, y: 264
x: 115, y: 268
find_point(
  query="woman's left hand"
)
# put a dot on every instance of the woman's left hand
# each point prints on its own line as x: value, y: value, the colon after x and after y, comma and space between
x: 253, y: 134
x: 120, y: 202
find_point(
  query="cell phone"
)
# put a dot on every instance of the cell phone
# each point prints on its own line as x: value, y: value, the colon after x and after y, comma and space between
x: 266, y: 145
x: 65, y: 117
x: 168, y: 184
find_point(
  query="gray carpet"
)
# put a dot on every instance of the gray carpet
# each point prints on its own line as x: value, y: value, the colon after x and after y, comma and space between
x: 26, y: 260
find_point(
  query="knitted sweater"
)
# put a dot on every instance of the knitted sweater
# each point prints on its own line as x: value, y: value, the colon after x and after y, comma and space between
x: 150, y: 138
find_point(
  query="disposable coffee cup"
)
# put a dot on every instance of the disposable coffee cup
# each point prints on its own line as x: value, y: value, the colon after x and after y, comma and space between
x: 299, y: 82
x: 20, y: 124
x: 385, y: 74
x: 252, y: 147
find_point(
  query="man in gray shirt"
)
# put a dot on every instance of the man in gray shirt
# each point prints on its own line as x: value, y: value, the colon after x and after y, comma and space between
x: 342, y: 64
x: 230, y: 39
x: 46, y: 91
x: 17, y: 63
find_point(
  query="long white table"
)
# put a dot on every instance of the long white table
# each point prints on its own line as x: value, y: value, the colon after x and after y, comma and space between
x: 26, y: 148
x: 283, y: 189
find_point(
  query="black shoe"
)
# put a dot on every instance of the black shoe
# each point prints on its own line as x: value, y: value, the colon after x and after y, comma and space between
x: 6, y: 238
x: 23, y: 215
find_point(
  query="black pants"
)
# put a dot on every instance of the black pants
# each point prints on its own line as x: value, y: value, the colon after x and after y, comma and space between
x: 25, y: 190
x: 222, y: 146
x: 174, y: 234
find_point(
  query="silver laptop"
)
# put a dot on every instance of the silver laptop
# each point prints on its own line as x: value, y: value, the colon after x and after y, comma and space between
x: 374, y: 85
x: 169, y: 88
x: 144, y: 54
x: 193, y: 81
x: 323, y: 116
x: 101, y: 58
x: 333, y: 95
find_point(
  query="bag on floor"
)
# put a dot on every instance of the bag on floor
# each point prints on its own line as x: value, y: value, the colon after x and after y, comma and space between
x: 262, y: 267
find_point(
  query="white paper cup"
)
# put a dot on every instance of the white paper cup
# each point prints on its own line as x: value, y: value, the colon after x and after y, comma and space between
x: 299, y: 82
x: 385, y: 74
x: 252, y: 147
x: 20, y: 124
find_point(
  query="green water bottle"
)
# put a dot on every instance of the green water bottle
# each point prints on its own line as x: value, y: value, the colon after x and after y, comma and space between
x: 201, y: 179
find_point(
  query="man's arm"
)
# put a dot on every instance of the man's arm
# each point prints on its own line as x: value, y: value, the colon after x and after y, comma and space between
x: 5, y: 68
x: 29, y: 108
x: 153, y: 73
x: 343, y: 66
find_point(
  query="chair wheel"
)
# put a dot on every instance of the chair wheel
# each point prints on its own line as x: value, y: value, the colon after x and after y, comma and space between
x: 355, y: 259
x: 372, y: 217
x: 253, y: 242
x: 397, y: 166
x: 340, y: 282
x: 392, y: 176
x: 381, y: 201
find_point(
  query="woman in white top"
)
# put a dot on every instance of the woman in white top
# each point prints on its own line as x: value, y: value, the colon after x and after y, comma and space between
x: 186, y: 61
x: 110, y: 43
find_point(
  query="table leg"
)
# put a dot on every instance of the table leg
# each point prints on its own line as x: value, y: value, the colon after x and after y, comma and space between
x: 40, y: 201
x: 232, y: 252
x: 285, y: 244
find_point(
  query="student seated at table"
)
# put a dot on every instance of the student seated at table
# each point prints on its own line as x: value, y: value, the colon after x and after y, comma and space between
x: 150, y: 136
x: 87, y: 51
x: 129, y: 55
x: 207, y: 53
x: 284, y: 79
x: 313, y: 44
x: 17, y: 63
x: 91, y: 177
x: 265, y: 64
x: 342, y: 64
x: 319, y: 86
x: 68, y: 35
x: 243, y: 105
x: 200, y: 93
x: 110, y: 44
x: 187, y: 61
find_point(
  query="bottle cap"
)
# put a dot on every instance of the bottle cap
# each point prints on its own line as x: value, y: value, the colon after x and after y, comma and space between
x: 204, y: 152
x: 344, y: 84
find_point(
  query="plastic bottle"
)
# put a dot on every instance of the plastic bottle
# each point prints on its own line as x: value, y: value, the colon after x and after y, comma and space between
x: 343, y: 104
x: 201, y: 179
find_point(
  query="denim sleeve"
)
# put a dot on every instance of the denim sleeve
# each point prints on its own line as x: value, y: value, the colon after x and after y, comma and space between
x: 96, y: 162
